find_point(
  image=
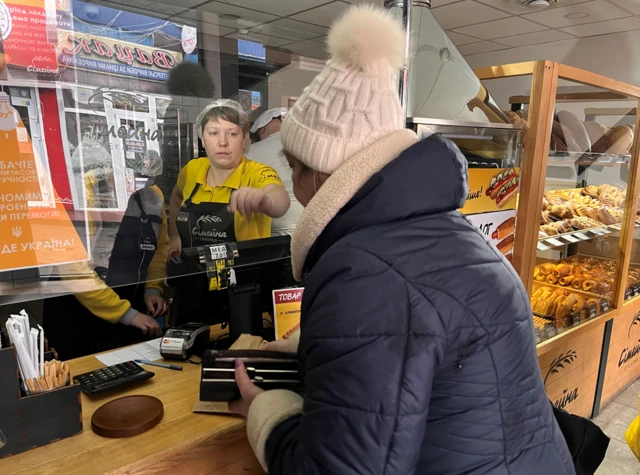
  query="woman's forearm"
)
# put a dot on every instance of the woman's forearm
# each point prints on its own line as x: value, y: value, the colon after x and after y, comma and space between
x: 279, y: 203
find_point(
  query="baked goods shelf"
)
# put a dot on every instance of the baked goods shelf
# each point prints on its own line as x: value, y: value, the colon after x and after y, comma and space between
x: 561, y: 240
x: 587, y: 159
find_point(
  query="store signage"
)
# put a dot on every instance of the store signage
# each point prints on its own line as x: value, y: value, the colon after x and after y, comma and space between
x: 30, y: 35
x: 33, y: 232
x: 492, y: 189
x: 562, y: 362
x: 287, y: 304
x: 631, y: 352
x: 111, y: 56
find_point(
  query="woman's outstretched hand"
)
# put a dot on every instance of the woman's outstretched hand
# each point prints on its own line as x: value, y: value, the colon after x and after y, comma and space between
x: 248, y: 391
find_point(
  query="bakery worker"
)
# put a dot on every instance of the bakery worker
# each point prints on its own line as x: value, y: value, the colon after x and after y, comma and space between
x: 224, y: 196
x: 122, y: 309
x: 268, y: 150
x: 141, y: 246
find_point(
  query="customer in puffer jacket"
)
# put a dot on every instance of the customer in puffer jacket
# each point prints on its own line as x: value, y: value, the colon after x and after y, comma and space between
x: 417, y: 344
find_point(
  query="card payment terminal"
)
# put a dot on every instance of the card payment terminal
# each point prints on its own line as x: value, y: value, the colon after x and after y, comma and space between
x: 184, y: 340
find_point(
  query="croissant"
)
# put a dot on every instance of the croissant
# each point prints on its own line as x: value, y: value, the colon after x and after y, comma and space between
x: 606, y: 217
x: 562, y: 270
x: 566, y: 280
x: 552, y: 199
x: 581, y: 210
x: 591, y: 191
x: 546, y: 269
x: 561, y: 211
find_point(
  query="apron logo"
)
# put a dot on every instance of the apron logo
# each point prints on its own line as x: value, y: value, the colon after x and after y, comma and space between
x: 206, y: 227
x: 208, y: 219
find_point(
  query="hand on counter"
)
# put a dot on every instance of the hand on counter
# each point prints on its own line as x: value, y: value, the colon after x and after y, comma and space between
x: 248, y: 391
x: 156, y: 305
x: 147, y: 324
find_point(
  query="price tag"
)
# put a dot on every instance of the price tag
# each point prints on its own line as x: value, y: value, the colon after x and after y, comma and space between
x: 582, y: 236
x: 575, y: 318
x: 554, y: 242
x: 570, y: 238
x: 538, y: 337
x: 627, y: 294
x: 604, y: 305
x: 542, y: 246
x: 218, y: 252
x: 636, y: 290
x: 598, y: 232
x: 606, y: 231
x: 593, y: 311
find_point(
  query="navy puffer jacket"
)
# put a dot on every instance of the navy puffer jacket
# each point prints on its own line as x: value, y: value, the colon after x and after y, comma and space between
x: 416, y: 337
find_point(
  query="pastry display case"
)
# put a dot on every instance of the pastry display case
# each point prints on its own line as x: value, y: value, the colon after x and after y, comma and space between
x: 578, y: 246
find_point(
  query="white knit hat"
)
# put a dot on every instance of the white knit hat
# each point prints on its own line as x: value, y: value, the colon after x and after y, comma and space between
x: 354, y: 100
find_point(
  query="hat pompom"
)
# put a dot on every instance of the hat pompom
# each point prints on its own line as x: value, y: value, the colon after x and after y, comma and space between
x: 367, y: 34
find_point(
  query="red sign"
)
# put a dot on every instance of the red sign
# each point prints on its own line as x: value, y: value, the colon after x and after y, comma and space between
x: 30, y: 35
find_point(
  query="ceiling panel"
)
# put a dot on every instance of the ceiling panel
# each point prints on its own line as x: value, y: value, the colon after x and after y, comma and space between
x: 588, y: 12
x: 275, y: 7
x: 291, y: 29
x: 481, y: 47
x: 500, y: 28
x: 465, y: 13
x: 459, y: 39
x: 604, y: 27
x: 247, y: 18
x: 258, y: 38
x: 514, y: 7
x: 546, y: 36
x: 307, y: 48
x: 324, y: 15
x: 632, y: 5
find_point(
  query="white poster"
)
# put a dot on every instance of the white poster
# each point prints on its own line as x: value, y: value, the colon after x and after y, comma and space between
x: 498, y: 227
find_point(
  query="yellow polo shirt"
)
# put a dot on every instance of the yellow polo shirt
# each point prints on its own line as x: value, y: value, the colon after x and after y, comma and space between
x: 248, y: 173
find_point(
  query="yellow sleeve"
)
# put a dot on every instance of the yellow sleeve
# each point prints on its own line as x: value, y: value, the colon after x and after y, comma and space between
x: 182, y: 177
x: 158, y: 266
x: 102, y: 302
x: 263, y: 176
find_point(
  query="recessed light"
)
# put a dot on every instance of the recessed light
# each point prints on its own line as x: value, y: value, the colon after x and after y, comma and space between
x: 576, y: 15
x: 243, y: 31
x: 228, y: 16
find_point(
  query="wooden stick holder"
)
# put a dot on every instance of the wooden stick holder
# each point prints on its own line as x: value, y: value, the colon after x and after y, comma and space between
x: 33, y: 421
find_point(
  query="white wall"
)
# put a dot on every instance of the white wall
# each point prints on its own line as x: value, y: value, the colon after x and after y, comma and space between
x: 613, y: 56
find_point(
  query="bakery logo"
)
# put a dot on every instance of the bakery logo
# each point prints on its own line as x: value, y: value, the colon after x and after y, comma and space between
x: 206, y: 228
x: 563, y: 361
x: 630, y: 353
x: 5, y: 21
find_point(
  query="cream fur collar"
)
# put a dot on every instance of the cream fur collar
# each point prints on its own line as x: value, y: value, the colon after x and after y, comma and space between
x: 340, y: 187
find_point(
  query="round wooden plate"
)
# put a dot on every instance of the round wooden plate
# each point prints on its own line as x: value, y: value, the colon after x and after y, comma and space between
x: 127, y: 416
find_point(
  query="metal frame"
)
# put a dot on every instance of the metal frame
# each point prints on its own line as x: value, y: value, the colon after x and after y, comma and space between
x: 457, y: 123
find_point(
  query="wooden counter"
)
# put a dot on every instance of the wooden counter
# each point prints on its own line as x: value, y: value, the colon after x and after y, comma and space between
x: 183, y: 442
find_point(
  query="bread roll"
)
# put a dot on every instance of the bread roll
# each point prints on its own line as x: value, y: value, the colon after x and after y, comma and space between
x: 514, y: 118
x: 564, y: 134
x: 524, y: 114
x: 620, y: 140
x: 575, y: 125
x: 597, y: 135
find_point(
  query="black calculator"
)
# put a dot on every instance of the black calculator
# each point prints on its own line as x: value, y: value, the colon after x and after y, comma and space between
x: 112, y: 377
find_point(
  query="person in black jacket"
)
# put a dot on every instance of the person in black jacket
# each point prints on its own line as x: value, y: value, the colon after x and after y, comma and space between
x: 417, y: 347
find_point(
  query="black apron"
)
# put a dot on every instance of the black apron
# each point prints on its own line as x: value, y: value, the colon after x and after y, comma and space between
x: 203, y: 224
x: 133, y: 248
x: 200, y: 225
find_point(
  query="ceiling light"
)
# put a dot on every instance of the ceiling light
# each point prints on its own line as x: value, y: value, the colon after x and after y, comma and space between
x: 537, y: 4
x: 228, y: 16
x: 576, y: 15
x: 243, y: 31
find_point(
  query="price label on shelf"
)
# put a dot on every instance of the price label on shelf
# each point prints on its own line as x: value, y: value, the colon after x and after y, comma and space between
x: 554, y: 242
x: 598, y: 232
x: 570, y: 238
x: 592, y: 311
x: 627, y: 294
x: 605, y: 231
x: 582, y: 236
x: 575, y: 318
x: 604, y: 305
x: 636, y: 290
x: 542, y: 246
